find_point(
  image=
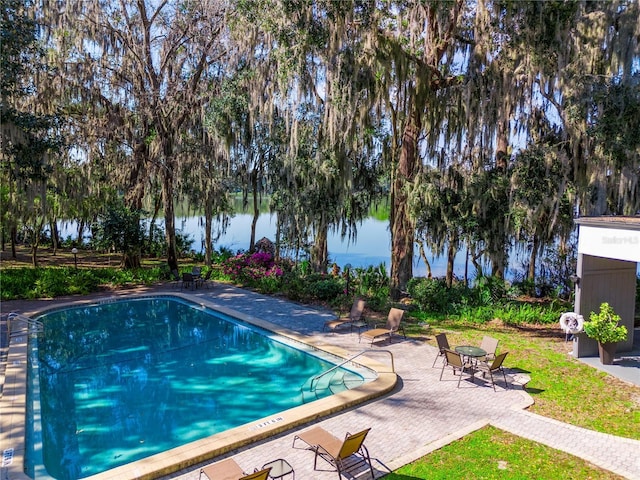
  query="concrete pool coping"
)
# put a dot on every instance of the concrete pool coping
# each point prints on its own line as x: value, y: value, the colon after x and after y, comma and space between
x: 13, y: 403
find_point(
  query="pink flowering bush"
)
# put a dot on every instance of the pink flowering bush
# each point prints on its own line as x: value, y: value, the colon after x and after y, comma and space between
x: 257, y: 270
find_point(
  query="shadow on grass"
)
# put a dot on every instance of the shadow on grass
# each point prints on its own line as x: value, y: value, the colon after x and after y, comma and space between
x: 395, y: 476
x: 533, y: 391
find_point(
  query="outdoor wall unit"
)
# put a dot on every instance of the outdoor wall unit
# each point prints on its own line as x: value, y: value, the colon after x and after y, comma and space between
x: 608, y: 256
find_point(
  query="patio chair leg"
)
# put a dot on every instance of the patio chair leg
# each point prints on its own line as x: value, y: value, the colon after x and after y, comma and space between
x: 444, y: 366
x: 435, y: 360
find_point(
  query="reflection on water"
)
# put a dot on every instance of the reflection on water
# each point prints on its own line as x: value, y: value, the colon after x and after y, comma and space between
x: 124, y: 380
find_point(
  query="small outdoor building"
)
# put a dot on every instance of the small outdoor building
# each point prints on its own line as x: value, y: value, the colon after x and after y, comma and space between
x: 608, y: 256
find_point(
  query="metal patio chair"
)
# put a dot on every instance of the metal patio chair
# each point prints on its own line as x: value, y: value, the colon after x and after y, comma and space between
x: 344, y: 455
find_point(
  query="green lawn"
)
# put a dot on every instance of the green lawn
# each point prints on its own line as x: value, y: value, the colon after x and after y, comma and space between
x: 490, y: 453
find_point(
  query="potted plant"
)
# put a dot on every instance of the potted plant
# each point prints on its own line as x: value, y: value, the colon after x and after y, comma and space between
x: 603, y: 327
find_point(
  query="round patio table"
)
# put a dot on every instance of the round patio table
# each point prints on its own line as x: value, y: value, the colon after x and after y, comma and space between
x: 471, y: 351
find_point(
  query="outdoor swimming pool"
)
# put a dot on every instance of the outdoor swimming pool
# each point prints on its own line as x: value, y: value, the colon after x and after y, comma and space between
x: 118, y: 381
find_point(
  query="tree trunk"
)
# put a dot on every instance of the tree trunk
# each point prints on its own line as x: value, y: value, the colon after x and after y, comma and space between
x: 81, y: 225
x: 55, y: 236
x: 14, y: 240
x: 169, y: 218
x: 130, y: 260
x: 498, y: 254
x: 451, y: 254
x: 423, y: 255
x: 498, y: 260
x: 402, y: 226
x: 208, y: 226
x: 320, y: 249
x: 531, y: 275
x: 256, y: 210
x: 156, y: 209
x: 277, y: 255
x: 34, y: 254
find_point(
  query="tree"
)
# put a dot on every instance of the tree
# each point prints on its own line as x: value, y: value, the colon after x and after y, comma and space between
x: 138, y: 73
x: 540, y: 203
x: 318, y: 92
x: 119, y: 228
x: 30, y: 142
x: 590, y: 48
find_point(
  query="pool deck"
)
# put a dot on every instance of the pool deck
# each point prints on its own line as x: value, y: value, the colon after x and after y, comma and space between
x: 419, y: 415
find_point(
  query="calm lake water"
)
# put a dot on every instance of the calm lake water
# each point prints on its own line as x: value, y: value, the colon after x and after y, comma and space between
x: 371, y: 248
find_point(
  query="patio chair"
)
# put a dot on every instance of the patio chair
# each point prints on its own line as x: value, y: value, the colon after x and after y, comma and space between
x: 175, y: 276
x: 455, y: 361
x: 443, y: 344
x: 489, y: 345
x: 355, y: 316
x: 204, y: 280
x: 393, y: 326
x: 196, y: 271
x: 187, y: 281
x: 229, y: 470
x: 343, y: 455
x: 494, y: 367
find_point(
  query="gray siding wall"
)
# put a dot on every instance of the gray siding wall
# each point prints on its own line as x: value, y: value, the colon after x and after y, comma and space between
x: 605, y: 280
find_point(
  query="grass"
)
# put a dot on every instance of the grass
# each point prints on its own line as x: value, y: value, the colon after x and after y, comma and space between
x: 498, y: 455
x: 562, y: 387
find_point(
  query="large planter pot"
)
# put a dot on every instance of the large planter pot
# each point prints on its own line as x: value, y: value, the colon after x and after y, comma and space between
x: 607, y: 352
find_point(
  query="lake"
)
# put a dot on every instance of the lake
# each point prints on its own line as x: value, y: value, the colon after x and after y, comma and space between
x: 371, y: 248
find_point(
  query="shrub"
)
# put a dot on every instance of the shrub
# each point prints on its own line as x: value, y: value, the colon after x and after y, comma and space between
x: 521, y: 313
x: 604, y: 326
x: 18, y: 282
x: 249, y: 269
x: 488, y: 290
x: 326, y: 288
x: 368, y: 281
x: 432, y: 294
x: 481, y: 314
x: 293, y: 286
x: 269, y: 284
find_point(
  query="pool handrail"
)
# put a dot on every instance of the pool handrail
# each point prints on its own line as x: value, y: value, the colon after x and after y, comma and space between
x: 350, y: 359
x: 33, y: 325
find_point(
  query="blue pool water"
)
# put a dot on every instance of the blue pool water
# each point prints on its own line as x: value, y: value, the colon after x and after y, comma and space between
x: 115, y: 382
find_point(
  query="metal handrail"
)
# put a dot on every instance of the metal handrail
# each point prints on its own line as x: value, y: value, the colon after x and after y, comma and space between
x: 30, y: 322
x: 350, y: 359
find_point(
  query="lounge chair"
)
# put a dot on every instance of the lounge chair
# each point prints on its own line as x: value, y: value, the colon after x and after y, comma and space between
x: 443, y: 344
x: 494, y: 367
x: 355, y: 316
x: 393, y: 326
x: 489, y: 345
x: 343, y: 455
x: 229, y: 470
x: 456, y: 362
